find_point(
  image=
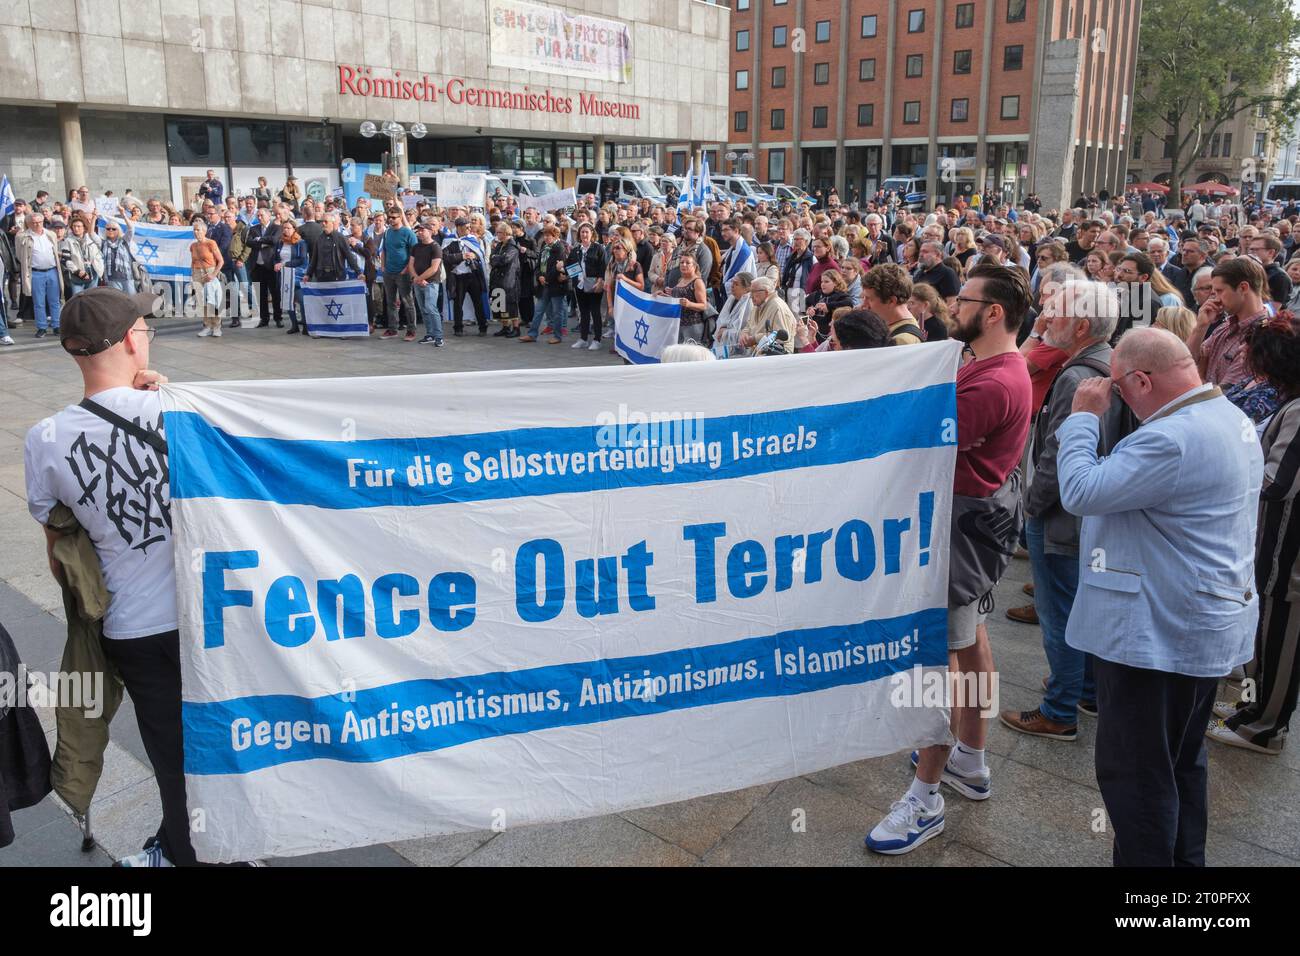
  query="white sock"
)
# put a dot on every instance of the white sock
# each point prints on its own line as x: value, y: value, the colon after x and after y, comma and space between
x: 967, y: 759
x: 927, y: 793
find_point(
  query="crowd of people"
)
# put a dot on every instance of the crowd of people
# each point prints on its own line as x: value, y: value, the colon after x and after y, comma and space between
x: 1130, y: 383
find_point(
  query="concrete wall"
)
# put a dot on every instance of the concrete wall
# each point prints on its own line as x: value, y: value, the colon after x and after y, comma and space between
x: 122, y: 152
x: 279, y: 58
x: 1052, y: 160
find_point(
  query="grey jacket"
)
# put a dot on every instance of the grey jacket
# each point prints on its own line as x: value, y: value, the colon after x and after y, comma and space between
x: 1043, y: 501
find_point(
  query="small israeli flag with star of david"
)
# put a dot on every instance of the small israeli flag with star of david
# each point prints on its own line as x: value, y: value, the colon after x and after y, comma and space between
x: 644, y: 325
x: 164, y: 251
x: 335, y: 309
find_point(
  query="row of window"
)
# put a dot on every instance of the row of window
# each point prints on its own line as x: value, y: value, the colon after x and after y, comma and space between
x: 959, y: 113
x: 1013, y: 58
x: 915, y: 18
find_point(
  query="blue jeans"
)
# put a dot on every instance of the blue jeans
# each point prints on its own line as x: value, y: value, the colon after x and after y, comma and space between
x: 45, y: 298
x: 74, y: 287
x: 126, y: 285
x: 242, y: 307
x: 426, y: 303
x: 1056, y: 579
x: 555, y: 310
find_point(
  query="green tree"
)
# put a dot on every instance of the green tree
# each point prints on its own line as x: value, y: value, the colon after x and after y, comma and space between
x: 1201, y: 63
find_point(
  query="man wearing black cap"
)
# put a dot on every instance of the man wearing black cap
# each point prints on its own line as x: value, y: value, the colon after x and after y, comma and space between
x: 106, y: 460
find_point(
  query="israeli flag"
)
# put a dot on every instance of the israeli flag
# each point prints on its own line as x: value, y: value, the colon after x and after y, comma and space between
x: 471, y: 242
x: 742, y: 260
x: 706, y: 183
x: 6, y: 197
x: 163, y: 250
x: 644, y: 325
x: 688, y: 191
x: 335, y: 309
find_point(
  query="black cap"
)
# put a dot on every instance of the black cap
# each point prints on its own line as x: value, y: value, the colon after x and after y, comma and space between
x: 460, y: 221
x: 99, y: 318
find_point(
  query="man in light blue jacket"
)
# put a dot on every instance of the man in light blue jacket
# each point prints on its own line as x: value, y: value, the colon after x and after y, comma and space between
x: 1166, y: 598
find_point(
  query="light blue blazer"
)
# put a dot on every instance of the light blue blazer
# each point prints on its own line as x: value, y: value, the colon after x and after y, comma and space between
x: 1167, y: 548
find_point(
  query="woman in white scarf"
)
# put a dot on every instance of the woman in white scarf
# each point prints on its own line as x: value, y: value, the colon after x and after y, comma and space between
x: 731, y: 320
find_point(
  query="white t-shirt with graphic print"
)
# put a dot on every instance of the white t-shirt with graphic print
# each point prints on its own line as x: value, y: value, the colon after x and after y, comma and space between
x: 118, y: 488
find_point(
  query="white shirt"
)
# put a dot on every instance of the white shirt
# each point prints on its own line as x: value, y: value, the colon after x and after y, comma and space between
x: 43, y: 251
x: 117, y: 486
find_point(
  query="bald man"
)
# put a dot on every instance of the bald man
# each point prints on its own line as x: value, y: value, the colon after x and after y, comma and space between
x: 1166, y: 600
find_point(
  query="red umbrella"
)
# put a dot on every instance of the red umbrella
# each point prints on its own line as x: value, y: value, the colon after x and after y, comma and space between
x: 1149, y: 187
x: 1211, y: 189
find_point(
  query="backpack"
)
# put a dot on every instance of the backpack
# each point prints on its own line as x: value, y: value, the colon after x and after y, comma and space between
x: 910, y: 328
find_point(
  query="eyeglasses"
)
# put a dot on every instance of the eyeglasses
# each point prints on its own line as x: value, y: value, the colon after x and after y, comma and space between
x: 961, y: 299
x: 149, y: 332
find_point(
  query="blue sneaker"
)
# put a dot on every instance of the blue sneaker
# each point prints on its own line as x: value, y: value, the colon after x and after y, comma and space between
x: 152, y: 855
x: 972, y: 786
x: 907, y: 825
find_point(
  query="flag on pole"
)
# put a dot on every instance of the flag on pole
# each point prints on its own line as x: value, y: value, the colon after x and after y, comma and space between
x: 644, y: 325
x: 706, y: 184
x: 684, y: 200
x: 741, y: 260
x: 335, y: 309
x: 6, y: 196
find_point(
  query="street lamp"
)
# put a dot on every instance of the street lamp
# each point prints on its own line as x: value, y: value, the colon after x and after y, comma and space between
x: 394, y: 131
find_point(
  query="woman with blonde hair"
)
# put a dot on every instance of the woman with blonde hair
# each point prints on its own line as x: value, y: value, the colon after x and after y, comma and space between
x: 963, y: 245
x: 930, y: 311
x: 1178, y: 319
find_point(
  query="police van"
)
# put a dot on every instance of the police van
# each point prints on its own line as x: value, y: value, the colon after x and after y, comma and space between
x: 527, y: 182
x: 910, y: 190
x: 620, y: 188
x: 745, y: 188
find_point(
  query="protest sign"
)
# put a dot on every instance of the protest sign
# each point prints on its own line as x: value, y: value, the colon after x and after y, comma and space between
x: 380, y: 187
x: 461, y: 189
x: 408, y: 607
x: 551, y: 202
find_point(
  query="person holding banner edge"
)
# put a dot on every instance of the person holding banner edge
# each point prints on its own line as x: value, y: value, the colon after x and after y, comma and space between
x: 994, y: 405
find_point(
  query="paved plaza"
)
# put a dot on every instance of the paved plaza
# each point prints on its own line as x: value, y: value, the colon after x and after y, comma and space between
x: 1046, y: 808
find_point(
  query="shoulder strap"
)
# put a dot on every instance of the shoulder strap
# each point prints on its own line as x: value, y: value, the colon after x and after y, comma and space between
x: 1091, y: 362
x: 152, y: 439
x: 910, y: 327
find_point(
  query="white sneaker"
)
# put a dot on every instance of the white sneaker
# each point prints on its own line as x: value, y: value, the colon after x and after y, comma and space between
x: 1221, y: 732
x: 153, y: 856
x: 907, y: 825
x: 1223, y: 709
x: 972, y: 786
x: 580, y: 344
x: 7, y: 340
x: 593, y: 347
x: 205, y: 333
x: 216, y: 333
x: 16, y: 321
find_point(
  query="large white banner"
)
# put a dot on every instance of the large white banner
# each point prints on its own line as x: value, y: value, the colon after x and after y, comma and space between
x: 528, y: 36
x: 551, y: 202
x: 461, y: 189
x: 409, y: 607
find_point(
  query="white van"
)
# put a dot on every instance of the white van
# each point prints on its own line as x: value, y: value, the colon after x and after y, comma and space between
x: 620, y: 187
x: 427, y: 184
x: 910, y: 190
x: 526, y: 182
x: 744, y: 187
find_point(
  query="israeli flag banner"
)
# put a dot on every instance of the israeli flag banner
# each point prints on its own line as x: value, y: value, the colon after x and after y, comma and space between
x: 472, y: 243
x: 335, y: 309
x: 688, y: 191
x: 163, y: 250
x: 706, y: 183
x: 644, y: 325
x: 6, y: 196
x: 742, y: 260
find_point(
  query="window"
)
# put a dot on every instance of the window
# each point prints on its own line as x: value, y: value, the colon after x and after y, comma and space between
x: 776, y: 165
x: 1261, y: 141
x: 1015, y: 11
x: 960, y: 110
x: 916, y: 21
x: 867, y: 69
x: 779, y: 35
x: 742, y: 79
x: 196, y: 142
x: 1262, y: 110
x: 1137, y: 147
x: 869, y: 26
x: 912, y: 111
x: 1227, y: 145
x: 821, y: 74
x: 822, y: 32
x: 1011, y: 107
x: 914, y: 62
x: 778, y: 77
x: 819, y: 117
x: 311, y: 144
x: 778, y: 119
x: 1013, y: 58
x: 742, y: 6
x: 961, y: 60
x: 965, y: 15
x: 867, y: 114
x: 1169, y: 147
x: 742, y: 41
x: 742, y: 121
x: 256, y: 144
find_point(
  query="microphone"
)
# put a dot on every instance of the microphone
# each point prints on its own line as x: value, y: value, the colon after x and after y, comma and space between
x: 767, y: 345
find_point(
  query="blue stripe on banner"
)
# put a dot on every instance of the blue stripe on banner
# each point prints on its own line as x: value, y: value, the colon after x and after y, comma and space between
x: 208, y: 463
x: 181, y: 271
x: 162, y: 232
x: 648, y: 304
x: 436, y: 714
x: 327, y: 329
x: 358, y: 290
x: 632, y: 355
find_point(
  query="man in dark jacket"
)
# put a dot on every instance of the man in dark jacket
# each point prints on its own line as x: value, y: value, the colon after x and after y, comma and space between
x: 503, y: 282
x: 1081, y: 319
x: 460, y: 257
x: 264, y: 238
x: 645, y: 251
x: 333, y: 254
